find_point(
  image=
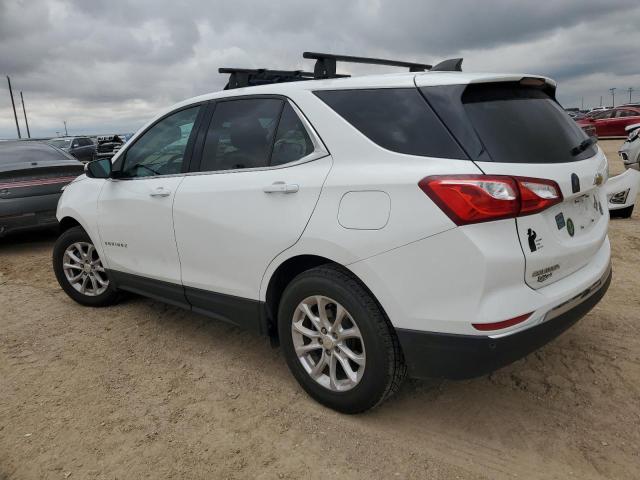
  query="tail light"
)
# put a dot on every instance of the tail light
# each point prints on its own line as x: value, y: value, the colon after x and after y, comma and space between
x: 482, y: 198
x: 486, y: 327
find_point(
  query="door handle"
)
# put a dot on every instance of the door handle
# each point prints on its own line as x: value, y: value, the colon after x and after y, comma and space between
x: 281, y: 187
x: 160, y: 192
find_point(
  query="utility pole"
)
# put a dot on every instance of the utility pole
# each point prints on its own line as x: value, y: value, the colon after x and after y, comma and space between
x: 630, y: 90
x: 600, y: 100
x: 13, y: 104
x: 24, y: 110
x: 613, y: 96
x: 66, y: 134
x: 582, y: 104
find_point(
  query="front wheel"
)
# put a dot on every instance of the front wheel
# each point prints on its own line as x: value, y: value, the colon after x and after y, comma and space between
x: 338, y: 342
x: 79, y: 270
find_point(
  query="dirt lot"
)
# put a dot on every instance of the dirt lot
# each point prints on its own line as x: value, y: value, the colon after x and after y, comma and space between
x: 143, y: 390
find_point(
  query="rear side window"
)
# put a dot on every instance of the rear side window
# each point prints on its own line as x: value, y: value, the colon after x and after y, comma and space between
x: 241, y: 134
x: 398, y: 119
x: 292, y: 140
x: 520, y: 124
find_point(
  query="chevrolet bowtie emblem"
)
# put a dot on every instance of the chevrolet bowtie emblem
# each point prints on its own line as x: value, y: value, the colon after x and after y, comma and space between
x: 598, y: 179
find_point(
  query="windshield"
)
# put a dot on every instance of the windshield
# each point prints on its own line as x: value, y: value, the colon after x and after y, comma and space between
x: 60, y: 143
x: 519, y: 124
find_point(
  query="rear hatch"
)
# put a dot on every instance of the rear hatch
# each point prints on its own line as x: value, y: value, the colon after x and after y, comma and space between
x: 516, y: 128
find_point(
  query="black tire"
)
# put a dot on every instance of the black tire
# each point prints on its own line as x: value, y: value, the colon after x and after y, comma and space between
x: 622, y: 212
x: 69, y: 237
x: 384, y: 369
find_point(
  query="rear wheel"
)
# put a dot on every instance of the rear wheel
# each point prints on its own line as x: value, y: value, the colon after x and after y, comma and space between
x: 337, y: 341
x: 79, y: 270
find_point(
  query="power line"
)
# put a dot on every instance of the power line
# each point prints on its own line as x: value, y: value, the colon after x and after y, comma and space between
x: 24, y: 110
x: 13, y: 104
x: 613, y: 96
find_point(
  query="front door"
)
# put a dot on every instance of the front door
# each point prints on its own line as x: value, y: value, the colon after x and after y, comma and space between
x: 134, y: 208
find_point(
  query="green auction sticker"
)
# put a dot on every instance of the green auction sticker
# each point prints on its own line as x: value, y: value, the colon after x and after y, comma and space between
x: 570, y: 228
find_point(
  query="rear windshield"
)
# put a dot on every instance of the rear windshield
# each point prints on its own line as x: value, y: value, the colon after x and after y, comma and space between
x: 519, y: 124
x: 29, y: 152
x: 398, y: 119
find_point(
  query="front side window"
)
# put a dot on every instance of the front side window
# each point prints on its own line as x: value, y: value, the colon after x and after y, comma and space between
x: 161, y: 149
x: 241, y: 134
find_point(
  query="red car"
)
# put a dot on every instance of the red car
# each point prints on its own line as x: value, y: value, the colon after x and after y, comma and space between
x: 611, y: 123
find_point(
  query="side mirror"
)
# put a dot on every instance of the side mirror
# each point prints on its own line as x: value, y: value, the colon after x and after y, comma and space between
x: 98, y: 168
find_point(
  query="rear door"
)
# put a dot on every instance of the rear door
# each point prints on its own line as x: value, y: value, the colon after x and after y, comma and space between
x: 261, y: 172
x: 527, y: 134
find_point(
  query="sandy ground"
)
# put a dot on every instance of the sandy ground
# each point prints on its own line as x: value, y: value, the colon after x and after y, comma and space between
x: 143, y: 390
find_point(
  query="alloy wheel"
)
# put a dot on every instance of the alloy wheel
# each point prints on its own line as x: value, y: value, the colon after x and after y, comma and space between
x: 328, y: 343
x: 83, y: 269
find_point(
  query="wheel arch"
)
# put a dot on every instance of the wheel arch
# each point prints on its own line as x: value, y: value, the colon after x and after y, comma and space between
x: 69, y: 222
x: 284, y: 274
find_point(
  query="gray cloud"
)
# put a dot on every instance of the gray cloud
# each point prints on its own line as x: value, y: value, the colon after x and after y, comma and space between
x: 111, y: 65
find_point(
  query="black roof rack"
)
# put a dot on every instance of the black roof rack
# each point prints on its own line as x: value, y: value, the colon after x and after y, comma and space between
x: 325, y: 68
x: 326, y: 63
x: 245, y: 77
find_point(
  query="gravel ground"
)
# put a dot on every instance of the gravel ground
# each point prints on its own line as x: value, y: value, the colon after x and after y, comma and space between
x: 144, y: 390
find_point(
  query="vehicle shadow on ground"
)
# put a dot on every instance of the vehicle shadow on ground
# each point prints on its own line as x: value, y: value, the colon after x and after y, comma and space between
x: 29, y: 238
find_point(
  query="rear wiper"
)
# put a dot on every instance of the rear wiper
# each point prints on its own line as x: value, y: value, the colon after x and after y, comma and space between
x: 586, y: 143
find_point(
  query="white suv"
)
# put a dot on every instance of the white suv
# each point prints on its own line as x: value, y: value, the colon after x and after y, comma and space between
x: 439, y: 222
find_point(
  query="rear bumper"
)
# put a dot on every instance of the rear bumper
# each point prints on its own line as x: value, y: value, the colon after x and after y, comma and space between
x: 27, y: 213
x: 466, y: 356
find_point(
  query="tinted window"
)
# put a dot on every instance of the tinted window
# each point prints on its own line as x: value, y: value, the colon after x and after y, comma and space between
x: 84, y: 142
x: 520, y: 124
x: 60, y: 143
x: 161, y: 149
x: 397, y: 119
x: 625, y: 113
x: 292, y: 140
x: 241, y: 134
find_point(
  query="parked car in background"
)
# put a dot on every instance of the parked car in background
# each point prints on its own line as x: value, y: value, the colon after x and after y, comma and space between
x: 32, y: 175
x: 82, y: 148
x: 612, y: 122
x: 630, y: 150
x: 622, y: 191
x: 108, y: 145
x: 576, y: 115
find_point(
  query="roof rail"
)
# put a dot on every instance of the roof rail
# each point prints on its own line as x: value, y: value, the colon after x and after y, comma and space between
x: 326, y: 63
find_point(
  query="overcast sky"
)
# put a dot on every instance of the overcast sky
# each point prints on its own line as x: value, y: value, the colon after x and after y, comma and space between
x: 109, y: 66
